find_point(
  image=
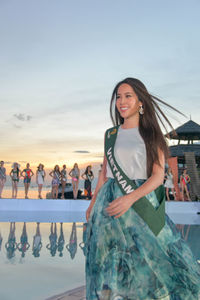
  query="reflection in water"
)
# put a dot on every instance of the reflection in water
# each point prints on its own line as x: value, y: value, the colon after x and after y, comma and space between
x: 37, y: 242
x: 52, y: 246
x: 1, y: 239
x: 11, y: 244
x: 54, y: 243
x: 184, y: 229
x: 61, y: 241
x: 24, y: 245
x: 72, y: 246
x: 82, y: 244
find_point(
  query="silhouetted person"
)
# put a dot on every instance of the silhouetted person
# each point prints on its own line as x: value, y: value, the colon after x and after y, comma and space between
x: 52, y: 246
x: 37, y: 242
x: 61, y: 241
x: 24, y: 245
x: 72, y: 246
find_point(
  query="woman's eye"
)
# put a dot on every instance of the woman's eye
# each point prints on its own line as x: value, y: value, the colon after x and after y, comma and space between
x: 128, y: 96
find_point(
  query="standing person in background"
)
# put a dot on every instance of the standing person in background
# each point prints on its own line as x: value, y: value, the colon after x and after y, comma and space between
x: 56, y: 175
x: 88, y: 177
x: 40, y: 176
x: 169, y: 184
x: 184, y: 180
x: 15, y: 174
x: 63, y: 180
x: 101, y: 165
x: 27, y: 174
x: 2, y: 176
x: 75, y: 174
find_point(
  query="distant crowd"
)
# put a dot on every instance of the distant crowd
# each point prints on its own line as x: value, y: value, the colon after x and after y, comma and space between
x: 59, y: 177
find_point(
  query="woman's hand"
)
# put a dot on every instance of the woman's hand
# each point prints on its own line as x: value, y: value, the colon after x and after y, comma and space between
x: 119, y: 206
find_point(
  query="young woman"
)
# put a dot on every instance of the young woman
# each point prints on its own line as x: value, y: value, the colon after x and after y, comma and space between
x: 184, y: 180
x: 88, y: 177
x: 169, y: 184
x: 75, y: 174
x: 130, y: 254
x: 2, y: 176
x: 55, y: 174
x: 63, y: 180
x: 27, y: 174
x: 40, y: 176
x: 15, y: 174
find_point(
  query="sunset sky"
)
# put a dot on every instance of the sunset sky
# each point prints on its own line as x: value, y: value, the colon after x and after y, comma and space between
x: 60, y: 60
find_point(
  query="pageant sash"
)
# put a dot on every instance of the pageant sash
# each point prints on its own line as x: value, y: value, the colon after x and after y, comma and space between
x: 153, y: 217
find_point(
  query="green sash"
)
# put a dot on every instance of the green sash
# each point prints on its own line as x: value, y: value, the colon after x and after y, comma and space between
x: 153, y: 217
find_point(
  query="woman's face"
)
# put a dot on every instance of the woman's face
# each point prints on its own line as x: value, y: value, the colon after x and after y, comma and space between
x: 2, y: 163
x: 28, y: 166
x: 127, y: 102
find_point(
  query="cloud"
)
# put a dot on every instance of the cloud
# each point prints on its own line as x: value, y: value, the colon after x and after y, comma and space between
x: 16, y: 126
x: 81, y: 151
x: 22, y: 117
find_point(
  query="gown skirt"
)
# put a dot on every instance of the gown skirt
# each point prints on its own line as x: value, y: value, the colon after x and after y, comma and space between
x: 126, y: 261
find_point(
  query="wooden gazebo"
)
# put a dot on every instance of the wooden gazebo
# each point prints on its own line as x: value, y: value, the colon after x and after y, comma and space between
x: 187, y: 153
x: 190, y: 133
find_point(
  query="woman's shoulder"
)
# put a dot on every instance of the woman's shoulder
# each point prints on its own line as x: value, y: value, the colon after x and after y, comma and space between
x: 112, y: 128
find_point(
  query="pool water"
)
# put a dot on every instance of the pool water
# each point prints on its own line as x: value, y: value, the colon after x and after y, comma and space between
x: 41, y: 265
x: 39, y: 260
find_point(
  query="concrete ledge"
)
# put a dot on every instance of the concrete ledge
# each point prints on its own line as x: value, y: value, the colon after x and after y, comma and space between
x: 43, y: 205
x: 51, y: 210
x: 180, y: 207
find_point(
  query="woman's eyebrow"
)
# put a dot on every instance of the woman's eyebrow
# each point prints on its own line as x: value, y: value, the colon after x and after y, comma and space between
x: 127, y: 93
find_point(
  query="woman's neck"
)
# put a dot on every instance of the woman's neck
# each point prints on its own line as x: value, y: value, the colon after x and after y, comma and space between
x: 130, y: 123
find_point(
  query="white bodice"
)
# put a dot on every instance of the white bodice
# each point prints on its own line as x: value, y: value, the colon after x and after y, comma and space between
x: 130, y: 153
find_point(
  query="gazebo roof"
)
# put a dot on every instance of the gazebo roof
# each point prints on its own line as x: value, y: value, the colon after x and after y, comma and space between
x: 188, y: 131
x: 179, y: 150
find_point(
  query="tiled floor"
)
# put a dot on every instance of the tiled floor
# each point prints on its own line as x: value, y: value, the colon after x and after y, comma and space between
x: 75, y: 294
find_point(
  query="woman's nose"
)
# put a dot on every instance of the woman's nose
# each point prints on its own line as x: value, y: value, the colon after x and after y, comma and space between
x: 122, y: 100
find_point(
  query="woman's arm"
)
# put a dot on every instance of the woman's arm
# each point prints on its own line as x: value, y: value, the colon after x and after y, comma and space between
x: 70, y: 172
x: 21, y: 173
x: 50, y: 174
x: 83, y: 177
x: 120, y: 205
x: 101, y: 180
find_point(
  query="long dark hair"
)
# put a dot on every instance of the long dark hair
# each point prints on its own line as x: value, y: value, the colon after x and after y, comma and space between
x: 149, y: 127
x: 87, y: 171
